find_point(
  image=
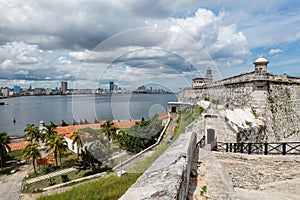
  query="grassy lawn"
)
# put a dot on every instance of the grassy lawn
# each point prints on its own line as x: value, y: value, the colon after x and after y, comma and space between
x: 15, y: 155
x: 186, y: 117
x: 104, y: 188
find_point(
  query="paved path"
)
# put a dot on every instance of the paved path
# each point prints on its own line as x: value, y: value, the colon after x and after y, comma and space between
x: 57, y: 173
x: 10, y: 186
x: 209, y: 179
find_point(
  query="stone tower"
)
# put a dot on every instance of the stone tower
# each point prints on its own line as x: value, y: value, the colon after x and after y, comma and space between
x: 261, y: 66
x: 209, y: 76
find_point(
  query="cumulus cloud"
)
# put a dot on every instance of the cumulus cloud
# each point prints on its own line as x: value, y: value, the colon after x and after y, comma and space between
x: 274, y: 51
x: 201, y: 40
x: 55, y: 40
x: 7, y: 64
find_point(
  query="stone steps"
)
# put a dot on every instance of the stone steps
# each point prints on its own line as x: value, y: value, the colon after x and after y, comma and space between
x: 50, y: 175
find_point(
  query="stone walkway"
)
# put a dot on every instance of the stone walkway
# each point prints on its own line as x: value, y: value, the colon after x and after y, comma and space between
x: 217, y: 175
x: 268, y: 177
x: 208, y: 179
x: 53, y: 174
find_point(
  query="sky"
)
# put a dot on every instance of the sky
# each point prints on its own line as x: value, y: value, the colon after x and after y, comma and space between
x: 139, y: 42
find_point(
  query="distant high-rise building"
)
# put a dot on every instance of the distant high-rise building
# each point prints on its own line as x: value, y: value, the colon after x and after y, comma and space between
x: 5, y: 92
x: 64, y: 87
x: 17, y: 90
x: 111, y: 86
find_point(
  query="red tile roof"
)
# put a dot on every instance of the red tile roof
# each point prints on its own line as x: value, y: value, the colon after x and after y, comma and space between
x: 15, y: 146
x: 124, y: 124
x: 67, y: 131
x: 46, y: 160
x: 163, y: 116
x: 92, y: 126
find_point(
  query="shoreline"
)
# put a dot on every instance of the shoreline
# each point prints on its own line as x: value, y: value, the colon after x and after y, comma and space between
x: 28, y: 109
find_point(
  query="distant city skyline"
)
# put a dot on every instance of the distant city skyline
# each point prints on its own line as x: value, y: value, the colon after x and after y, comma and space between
x: 145, y: 43
x: 64, y: 90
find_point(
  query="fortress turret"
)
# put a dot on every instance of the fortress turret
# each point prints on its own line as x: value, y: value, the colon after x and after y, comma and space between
x: 209, y: 77
x: 261, y: 65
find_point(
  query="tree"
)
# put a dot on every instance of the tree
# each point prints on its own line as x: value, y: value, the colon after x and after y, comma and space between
x: 4, y: 148
x: 32, y: 133
x: 32, y: 152
x: 77, y: 138
x: 109, y: 130
x: 88, y: 161
x: 49, y: 131
x: 141, y: 135
x: 121, y: 137
x: 57, y: 145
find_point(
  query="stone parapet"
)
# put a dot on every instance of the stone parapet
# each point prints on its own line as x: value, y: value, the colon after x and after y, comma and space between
x: 168, y: 176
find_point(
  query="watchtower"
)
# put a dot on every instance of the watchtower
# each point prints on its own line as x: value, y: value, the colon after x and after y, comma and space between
x: 261, y: 66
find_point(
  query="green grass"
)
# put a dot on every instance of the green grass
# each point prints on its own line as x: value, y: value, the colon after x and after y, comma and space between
x: 104, y: 188
x: 143, y: 165
x: 15, y: 154
x: 186, y: 117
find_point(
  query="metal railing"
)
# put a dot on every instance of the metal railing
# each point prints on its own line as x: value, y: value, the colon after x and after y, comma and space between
x: 282, y: 148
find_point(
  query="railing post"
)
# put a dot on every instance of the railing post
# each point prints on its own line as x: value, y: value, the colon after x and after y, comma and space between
x: 249, y: 148
x: 266, y: 148
x: 227, y: 146
x: 234, y: 147
x: 284, y: 148
x: 242, y: 147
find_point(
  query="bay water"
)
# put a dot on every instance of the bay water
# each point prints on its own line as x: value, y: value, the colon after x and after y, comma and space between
x: 33, y: 109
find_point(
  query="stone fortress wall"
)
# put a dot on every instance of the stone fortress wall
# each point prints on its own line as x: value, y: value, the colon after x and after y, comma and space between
x: 274, y: 99
x: 168, y: 177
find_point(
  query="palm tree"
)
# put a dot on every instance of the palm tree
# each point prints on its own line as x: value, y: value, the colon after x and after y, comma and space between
x: 56, y: 144
x: 32, y: 151
x: 78, y: 140
x: 109, y: 130
x: 121, y: 137
x: 49, y: 131
x: 4, y: 148
x: 32, y: 133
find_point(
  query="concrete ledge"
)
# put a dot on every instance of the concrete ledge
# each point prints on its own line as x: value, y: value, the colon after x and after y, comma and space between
x: 168, y: 176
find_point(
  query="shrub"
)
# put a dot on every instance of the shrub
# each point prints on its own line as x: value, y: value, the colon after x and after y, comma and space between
x: 65, y: 178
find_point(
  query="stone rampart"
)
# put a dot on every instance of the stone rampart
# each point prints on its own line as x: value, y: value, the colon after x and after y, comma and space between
x: 275, y: 101
x: 168, y: 176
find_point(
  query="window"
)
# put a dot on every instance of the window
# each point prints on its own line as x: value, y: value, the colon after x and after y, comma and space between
x: 173, y: 110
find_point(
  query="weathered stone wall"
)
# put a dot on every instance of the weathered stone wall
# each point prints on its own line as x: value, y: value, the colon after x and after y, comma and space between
x: 283, y: 112
x: 275, y: 102
x: 168, y: 176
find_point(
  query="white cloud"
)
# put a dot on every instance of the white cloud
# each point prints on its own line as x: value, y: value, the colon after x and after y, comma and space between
x: 22, y: 59
x: 7, y: 64
x: 80, y: 55
x: 275, y: 51
x: 22, y: 72
x: 52, y: 39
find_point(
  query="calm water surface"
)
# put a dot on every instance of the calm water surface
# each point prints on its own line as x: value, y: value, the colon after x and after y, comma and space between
x: 33, y: 109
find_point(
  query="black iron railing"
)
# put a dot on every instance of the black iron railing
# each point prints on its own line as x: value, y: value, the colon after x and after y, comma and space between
x: 283, y: 148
